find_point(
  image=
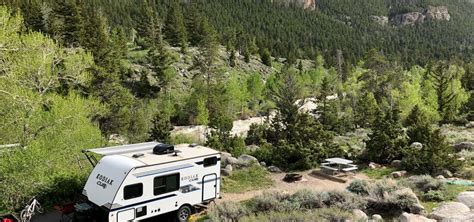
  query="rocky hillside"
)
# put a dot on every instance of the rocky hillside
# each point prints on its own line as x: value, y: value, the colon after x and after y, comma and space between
x: 305, y: 4
x: 433, y: 13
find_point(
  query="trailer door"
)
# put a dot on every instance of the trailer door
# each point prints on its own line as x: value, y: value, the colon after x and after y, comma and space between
x: 209, y: 187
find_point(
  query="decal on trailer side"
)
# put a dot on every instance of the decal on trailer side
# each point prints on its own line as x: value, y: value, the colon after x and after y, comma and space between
x: 103, y: 181
x: 190, y: 178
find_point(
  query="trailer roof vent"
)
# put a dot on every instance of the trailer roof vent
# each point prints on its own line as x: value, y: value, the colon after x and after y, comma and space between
x: 161, y: 149
x: 193, y: 145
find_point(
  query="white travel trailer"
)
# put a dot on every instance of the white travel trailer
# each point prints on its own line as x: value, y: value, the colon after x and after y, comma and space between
x: 140, y: 181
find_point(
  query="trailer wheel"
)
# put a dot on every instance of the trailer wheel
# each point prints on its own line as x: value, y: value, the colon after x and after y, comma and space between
x: 184, y: 213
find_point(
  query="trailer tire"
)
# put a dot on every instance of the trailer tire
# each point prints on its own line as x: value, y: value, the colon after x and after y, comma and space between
x: 184, y: 213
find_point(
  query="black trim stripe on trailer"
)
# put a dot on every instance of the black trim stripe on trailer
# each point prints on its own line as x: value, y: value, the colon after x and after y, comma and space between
x: 144, y: 202
x: 202, y: 162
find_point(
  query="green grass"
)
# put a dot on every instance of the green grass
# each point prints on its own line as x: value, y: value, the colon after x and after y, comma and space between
x: 252, y: 178
x: 378, y: 173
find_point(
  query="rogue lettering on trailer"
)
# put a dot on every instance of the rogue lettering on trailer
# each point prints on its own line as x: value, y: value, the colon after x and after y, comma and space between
x: 103, y: 180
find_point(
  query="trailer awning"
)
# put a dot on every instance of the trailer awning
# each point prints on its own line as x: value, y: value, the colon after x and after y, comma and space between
x: 116, y: 150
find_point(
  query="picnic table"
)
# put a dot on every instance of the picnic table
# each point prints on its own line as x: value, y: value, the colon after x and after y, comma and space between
x: 335, y: 165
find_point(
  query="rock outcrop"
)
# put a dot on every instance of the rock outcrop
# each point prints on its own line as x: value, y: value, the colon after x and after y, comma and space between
x: 451, y: 211
x: 407, y: 217
x: 439, y: 13
x: 305, y: 4
x: 408, y: 18
x: 381, y: 20
x: 469, y: 146
x: 466, y: 198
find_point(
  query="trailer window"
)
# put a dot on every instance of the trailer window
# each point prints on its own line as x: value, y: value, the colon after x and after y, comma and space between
x: 211, y: 161
x: 165, y: 184
x: 132, y: 191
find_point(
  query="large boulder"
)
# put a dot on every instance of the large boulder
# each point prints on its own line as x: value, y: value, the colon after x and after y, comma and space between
x: 359, y: 215
x: 396, y: 164
x: 373, y: 165
x: 469, y: 146
x: 274, y: 169
x: 398, y: 174
x: 466, y: 198
x: 377, y: 217
x: 247, y: 160
x: 449, y: 210
x: 416, y: 145
x: 224, y: 157
x: 227, y: 171
x: 252, y: 148
x: 407, y: 217
x: 232, y: 161
x: 445, y: 173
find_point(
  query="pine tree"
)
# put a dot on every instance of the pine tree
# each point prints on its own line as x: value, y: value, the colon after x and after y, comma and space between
x: 232, y: 57
x: 161, y: 128
x: 447, y: 84
x: 387, y: 140
x: 161, y: 61
x: 174, y: 30
x: 266, y: 57
x: 366, y: 110
x: 435, y: 155
x: 97, y: 40
x: 33, y: 16
x: 67, y: 22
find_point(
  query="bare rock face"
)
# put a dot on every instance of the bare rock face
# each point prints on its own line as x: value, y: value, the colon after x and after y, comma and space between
x: 407, y: 217
x: 305, y: 4
x: 438, y: 13
x: 381, y: 20
x: 449, y: 211
x: 466, y: 198
x: 409, y: 18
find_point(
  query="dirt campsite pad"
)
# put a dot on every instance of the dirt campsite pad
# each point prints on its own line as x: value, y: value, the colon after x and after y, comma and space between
x: 309, y: 182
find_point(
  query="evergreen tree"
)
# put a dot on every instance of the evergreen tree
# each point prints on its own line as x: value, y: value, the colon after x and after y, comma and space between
x: 451, y: 96
x: 161, y: 61
x: 161, y: 128
x: 66, y: 22
x: 299, y: 141
x: 387, y: 140
x: 266, y: 57
x: 232, y: 57
x: 366, y: 110
x: 175, y: 30
x: 97, y: 40
x: 435, y: 155
x: 33, y: 16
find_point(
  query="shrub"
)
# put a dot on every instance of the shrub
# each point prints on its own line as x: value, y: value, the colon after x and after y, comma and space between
x: 183, y: 138
x: 342, y: 200
x: 358, y: 187
x: 425, y: 183
x: 324, y: 214
x: 433, y: 195
x: 274, y: 201
x: 228, y: 211
x: 307, y: 199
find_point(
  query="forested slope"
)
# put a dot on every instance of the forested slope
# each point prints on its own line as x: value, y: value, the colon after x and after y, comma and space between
x: 334, y: 25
